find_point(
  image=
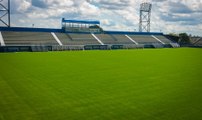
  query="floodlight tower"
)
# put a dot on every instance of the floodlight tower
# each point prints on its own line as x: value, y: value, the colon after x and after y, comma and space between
x: 5, y: 13
x: 145, y: 14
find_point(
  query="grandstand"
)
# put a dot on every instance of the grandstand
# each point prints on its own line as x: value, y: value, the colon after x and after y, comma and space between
x: 163, y: 39
x: 77, y: 39
x: 196, y: 41
x: 107, y: 39
x: 144, y: 39
x: 68, y: 41
x: 46, y: 38
x: 113, y: 39
x: 28, y: 38
x: 122, y: 39
x: 199, y: 43
x: 78, y: 35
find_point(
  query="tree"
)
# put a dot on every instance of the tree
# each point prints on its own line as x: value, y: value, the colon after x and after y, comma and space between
x: 184, y: 39
x: 174, y: 37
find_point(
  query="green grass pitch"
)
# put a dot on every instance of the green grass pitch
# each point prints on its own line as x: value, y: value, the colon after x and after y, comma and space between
x: 149, y: 84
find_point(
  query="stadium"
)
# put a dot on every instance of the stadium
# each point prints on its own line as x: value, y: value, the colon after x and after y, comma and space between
x: 82, y: 35
x: 29, y: 39
x: 83, y: 72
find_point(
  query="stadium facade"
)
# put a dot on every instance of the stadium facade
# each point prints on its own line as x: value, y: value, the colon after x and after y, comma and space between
x: 78, y: 35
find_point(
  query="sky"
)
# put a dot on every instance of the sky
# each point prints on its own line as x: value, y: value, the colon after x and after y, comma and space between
x: 168, y: 16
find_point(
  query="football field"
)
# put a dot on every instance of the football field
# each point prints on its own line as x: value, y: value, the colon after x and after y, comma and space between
x: 146, y: 84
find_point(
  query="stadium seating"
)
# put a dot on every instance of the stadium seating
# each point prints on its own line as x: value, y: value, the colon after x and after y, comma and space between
x: 45, y: 38
x: 163, y: 39
x: 58, y: 41
x: 144, y: 39
x: 112, y: 39
x: 64, y: 38
x: 122, y: 39
x: 193, y: 40
x: 106, y: 38
x: 28, y: 38
x: 196, y: 41
x: 199, y: 43
x: 77, y: 39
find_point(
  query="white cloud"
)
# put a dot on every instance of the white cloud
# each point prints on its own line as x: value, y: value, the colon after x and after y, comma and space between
x: 105, y: 22
x: 167, y: 15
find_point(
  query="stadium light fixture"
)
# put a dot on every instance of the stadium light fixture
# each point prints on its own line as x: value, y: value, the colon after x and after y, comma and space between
x: 145, y: 14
